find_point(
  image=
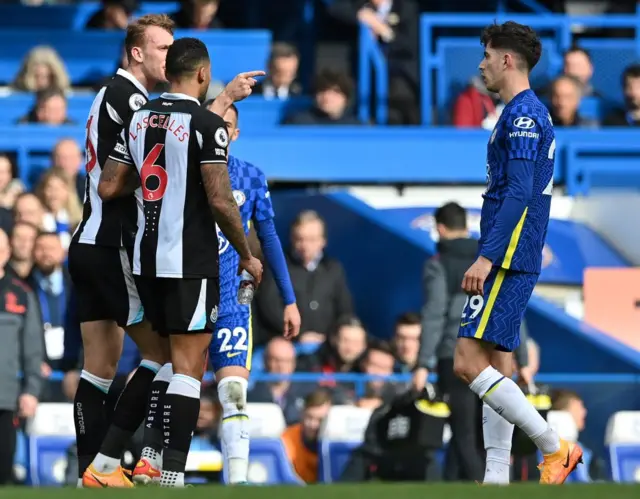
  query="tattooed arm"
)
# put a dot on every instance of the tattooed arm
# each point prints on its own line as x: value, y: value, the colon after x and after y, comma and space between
x: 118, y: 176
x: 117, y: 179
x: 217, y: 185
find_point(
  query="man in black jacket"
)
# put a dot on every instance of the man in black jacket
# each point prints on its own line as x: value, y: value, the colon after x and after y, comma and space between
x: 440, y: 322
x: 318, y: 281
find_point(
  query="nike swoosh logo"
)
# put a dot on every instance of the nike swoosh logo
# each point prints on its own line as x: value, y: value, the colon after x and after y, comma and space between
x: 230, y: 355
x: 465, y: 324
x: 99, y: 481
x: 566, y: 464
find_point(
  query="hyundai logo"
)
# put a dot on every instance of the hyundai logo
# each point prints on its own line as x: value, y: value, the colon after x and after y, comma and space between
x: 524, y: 123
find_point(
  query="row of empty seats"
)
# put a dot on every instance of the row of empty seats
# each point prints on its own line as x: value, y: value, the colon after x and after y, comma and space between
x: 52, y: 431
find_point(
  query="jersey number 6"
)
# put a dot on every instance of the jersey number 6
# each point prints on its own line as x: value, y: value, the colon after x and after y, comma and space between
x: 239, y: 334
x: 150, y: 169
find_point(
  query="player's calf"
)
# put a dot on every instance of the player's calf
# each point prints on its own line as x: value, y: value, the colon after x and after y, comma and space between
x: 182, y: 404
x: 149, y: 467
x: 232, y: 392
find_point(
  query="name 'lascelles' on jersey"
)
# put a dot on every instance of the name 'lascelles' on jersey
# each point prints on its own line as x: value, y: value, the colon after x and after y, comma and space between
x: 523, y: 132
x: 167, y: 141
x: 108, y: 223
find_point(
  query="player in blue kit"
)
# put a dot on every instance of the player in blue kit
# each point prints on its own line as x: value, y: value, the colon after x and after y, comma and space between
x: 230, y: 350
x: 513, y: 226
x: 231, y: 345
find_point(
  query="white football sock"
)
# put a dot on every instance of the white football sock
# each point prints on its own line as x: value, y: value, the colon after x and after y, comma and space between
x: 105, y: 464
x: 504, y: 397
x: 498, y: 434
x: 235, y: 428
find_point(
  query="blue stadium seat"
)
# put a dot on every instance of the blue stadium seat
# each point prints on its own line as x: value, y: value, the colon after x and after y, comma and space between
x: 623, y: 442
x: 268, y: 462
x: 92, y: 55
x: 255, y: 112
x: 51, y: 432
x: 342, y: 432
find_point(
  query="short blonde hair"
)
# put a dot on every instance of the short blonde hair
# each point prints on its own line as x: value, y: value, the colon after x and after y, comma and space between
x: 42, y: 54
x: 136, y: 31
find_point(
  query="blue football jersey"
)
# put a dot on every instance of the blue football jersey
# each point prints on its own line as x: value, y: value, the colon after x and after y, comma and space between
x: 251, y: 192
x: 523, y: 132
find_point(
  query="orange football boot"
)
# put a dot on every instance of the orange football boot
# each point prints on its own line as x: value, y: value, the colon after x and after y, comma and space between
x: 558, y: 466
x: 144, y: 473
x: 92, y: 479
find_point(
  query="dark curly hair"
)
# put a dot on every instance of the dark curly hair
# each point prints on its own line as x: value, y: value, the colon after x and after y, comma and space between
x: 514, y: 37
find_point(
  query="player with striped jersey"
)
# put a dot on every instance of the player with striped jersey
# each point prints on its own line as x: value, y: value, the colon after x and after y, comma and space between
x: 230, y: 349
x: 173, y: 155
x: 513, y: 227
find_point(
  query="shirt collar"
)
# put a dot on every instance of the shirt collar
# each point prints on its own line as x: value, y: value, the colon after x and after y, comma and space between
x: 125, y: 74
x: 177, y: 96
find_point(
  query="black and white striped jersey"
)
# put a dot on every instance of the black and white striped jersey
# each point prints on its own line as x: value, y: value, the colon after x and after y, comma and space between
x: 167, y: 140
x: 109, y: 223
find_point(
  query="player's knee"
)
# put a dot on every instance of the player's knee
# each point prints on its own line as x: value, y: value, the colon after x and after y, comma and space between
x: 469, y: 359
x: 232, y: 392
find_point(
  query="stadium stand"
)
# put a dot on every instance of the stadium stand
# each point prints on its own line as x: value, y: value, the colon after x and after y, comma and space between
x: 377, y: 187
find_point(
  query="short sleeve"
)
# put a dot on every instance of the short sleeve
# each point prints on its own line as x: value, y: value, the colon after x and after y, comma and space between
x: 121, y: 104
x: 523, y: 135
x: 120, y: 152
x: 264, y: 207
x: 213, y: 140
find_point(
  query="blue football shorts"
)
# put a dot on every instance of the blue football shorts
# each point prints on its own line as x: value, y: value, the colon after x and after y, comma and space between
x: 496, y: 316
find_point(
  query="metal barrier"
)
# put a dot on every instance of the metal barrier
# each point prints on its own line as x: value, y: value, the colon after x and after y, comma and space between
x: 371, y: 59
x: 432, y: 59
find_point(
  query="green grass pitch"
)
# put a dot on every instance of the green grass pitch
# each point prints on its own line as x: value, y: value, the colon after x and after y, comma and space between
x: 352, y: 491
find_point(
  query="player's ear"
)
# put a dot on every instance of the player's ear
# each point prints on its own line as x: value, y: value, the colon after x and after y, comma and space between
x: 235, y: 135
x: 136, y: 53
x: 202, y: 74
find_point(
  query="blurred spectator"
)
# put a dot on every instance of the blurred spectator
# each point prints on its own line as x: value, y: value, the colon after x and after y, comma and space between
x: 406, y: 341
x: 51, y: 283
x: 567, y: 400
x: 42, y: 69
x: 205, y: 437
x: 280, y: 358
x: 394, y: 24
x: 197, y: 14
x: 10, y: 187
x: 23, y: 240
x: 444, y: 302
x: 566, y: 93
x: 59, y: 196
x: 301, y: 440
x: 319, y: 283
x: 333, y: 90
x: 378, y: 360
x: 401, y: 441
x: 577, y: 63
x: 29, y: 209
x: 477, y: 107
x: 570, y: 401
x: 630, y: 115
x: 67, y: 157
x: 372, y: 398
x: 114, y: 15
x: 21, y: 352
x: 340, y: 352
x: 50, y: 109
x: 281, y: 81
